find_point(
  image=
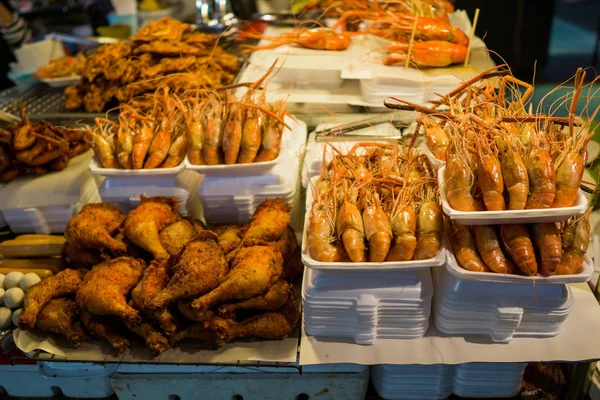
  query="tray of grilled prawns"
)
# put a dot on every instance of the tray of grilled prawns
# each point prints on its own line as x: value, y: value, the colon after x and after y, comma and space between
x: 544, y: 253
x: 374, y: 207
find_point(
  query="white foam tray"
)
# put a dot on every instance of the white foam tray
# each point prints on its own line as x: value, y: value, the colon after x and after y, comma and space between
x: 310, y: 262
x: 97, y: 169
x: 509, y: 216
x: 62, y: 82
x: 583, y: 276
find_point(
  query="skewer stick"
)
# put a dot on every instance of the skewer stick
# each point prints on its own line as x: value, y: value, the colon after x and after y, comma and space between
x: 475, y: 19
x: 410, y: 43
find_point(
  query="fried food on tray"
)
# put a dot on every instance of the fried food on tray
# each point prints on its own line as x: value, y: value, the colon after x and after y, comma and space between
x: 254, y: 270
x: 37, y: 148
x: 212, y: 329
x: 105, y: 287
x: 102, y: 328
x: 61, y: 317
x: 62, y: 67
x: 230, y: 237
x: 82, y: 257
x: 94, y: 227
x: 175, y: 236
x: 120, y: 71
x: 155, y: 279
x: 156, y: 341
x: 197, y: 270
x: 270, y: 221
x: 273, y: 299
x: 144, y: 223
x: 65, y: 283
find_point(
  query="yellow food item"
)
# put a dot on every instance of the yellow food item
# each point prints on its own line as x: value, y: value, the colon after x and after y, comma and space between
x: 33, y: 247
x: 42, y: 273
x: 53, y: 264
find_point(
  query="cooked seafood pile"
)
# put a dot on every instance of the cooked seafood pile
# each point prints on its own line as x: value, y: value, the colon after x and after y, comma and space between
x: 167, y: 279
x: 37, y: 148
x: 544, y: 248
x: 378, y: 202
x: 163, y: 53
x: 62, y: 67
x: 419, y: 31
x: 499, y: 155
x: 210, y: 130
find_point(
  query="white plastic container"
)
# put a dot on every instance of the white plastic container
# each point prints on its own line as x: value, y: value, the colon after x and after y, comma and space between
x: 509, y: 216
x: 439, y: 381
x: 366, y: 307
x: 62, y: 82
x: 97, y: 169
x: 499, y: 310
x: 311, y: 263
x: 584, y: 274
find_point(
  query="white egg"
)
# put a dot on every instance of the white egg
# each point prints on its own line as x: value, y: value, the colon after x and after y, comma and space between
x: 2, y: 291
x: 16, y: 315
x: 12, y: 279
x: 13, y: 298
x: 2, y: 276
x: 28, y: 280
x: 5, y: 317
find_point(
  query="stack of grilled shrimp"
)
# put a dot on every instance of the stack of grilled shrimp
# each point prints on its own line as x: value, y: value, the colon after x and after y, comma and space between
x: 378, y: 202
x: 209, y: 129
x: 499, y: 156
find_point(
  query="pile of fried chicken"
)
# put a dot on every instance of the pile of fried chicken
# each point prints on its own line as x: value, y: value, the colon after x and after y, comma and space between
x: 167, y: 279
x: 37, y: 148
x: 166, y: 52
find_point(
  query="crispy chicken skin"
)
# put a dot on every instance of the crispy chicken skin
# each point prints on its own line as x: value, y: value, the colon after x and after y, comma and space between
x: 156, y: 341
x: 287, y: 243
x: 102, y: 328
x: 95, y: 226
x: 195, y: 271
x: 190, y: 313
x: 230, y: 237
x: 175, y: 236
x: 270, y: 220
x: 273, y: 299
x: 254, y: 270
x: 155, y: 279
x: 60, y: 317
x: 104, y: 288
x: 213, y: 329
x: 143, y: 225
x: 82, y: 257
x: 65, y: 283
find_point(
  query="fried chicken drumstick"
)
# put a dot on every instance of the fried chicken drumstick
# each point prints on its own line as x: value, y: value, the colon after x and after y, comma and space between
x: 95, y: 226
x: 65, y: 283
x: 254, y: 270
x: 273, y: 299
x: 60, y: 317
x: 144, y: 223
x: 102, y: 328
x: 104, y: 288
x: 197, y: 270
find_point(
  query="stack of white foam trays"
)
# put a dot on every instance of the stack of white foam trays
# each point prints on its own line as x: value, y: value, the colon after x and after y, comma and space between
x: 50, y: 219
x: 362, y: 301
x: 503, y: 306
x: 231, y: 193
x: 124, y: 187
x: 439, y: 381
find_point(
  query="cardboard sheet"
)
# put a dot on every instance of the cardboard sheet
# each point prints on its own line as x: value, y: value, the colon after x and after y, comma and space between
x: 188, y: 352
x: 577, y: 341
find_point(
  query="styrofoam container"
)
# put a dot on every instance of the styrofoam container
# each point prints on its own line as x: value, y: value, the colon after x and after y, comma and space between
x: 62, y: 82
x: 311, y: 263
x: 584, y: 275
x: 97, y: 169
x: 509, y: 216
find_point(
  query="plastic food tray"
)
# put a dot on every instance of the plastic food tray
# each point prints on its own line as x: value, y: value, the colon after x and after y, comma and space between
x: 137, y: 173
x: 509, y: 216
x: 310, y: 262
x: 583, y: 276
x: 62, y: 82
